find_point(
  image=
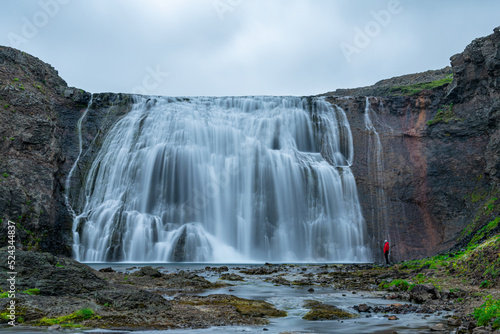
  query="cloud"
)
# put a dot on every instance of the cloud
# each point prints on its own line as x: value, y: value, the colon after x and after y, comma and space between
x: 279, y: 47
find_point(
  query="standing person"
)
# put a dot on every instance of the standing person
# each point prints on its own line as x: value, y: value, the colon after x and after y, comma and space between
x: 386, y: 251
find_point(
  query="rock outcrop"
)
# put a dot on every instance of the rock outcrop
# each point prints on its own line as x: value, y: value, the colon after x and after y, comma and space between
x: 433, y: 164
x: 38, y: 117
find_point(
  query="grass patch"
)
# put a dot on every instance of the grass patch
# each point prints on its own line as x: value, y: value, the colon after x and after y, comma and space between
x: 417, y: 88
x: 485, y: 231
x: 398, y: 284
x: 70, y: 320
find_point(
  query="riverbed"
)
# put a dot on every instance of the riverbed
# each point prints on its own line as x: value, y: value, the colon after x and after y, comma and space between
x: 288, y: 298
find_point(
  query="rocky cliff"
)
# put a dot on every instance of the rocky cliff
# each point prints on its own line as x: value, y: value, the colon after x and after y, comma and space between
x: 38, y: 142
x: 436, y: 141
x: 427, y: 150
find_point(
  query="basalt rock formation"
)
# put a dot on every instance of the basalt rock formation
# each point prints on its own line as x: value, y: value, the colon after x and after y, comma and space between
x: 38, y: 142
x: 427, y: 150
x: 439, y: 152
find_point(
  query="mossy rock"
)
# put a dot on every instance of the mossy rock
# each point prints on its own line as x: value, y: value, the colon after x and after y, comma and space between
x: 246, y: 307
x: 320, y: 311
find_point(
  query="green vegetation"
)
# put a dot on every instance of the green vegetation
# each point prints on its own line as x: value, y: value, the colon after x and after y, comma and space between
x: 417, y: 88
x: 444, y: 115
x: 4, y: 295
x: 485, y: 223
x: 485, y: 231
x: 488, y: 312
x: 70, y: 320
x: 398, y: 284
x: 31, y: 292
x: 39, y: 87
x: 58, y: 265
x: 478, y: 262
x: 5, y: 175
x: 485, y: 284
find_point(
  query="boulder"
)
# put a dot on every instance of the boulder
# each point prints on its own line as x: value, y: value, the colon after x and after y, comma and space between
x: 149, y: 271
x: 422, y: 293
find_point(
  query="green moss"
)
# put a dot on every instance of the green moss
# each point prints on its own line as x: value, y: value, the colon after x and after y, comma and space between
x: 4, y: 295
x: 485, y: 231
x: 399, y: 284
x: 320, y: 311
x: 70, y: 320
x: 32, y: 292
x: 417, y: 88
x: 246, y: 307
x: 444, y: 115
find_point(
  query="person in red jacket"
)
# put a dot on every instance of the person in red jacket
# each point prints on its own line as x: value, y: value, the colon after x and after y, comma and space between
x: 386, y: 252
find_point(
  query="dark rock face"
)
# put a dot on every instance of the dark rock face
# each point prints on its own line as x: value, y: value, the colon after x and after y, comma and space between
x: 53, y: 276
x: 438, y: 148
x: 37, y: 118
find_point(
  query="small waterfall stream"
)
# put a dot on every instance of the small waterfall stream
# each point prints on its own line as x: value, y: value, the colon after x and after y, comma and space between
x: 223, y: 180
x: 75, y: 164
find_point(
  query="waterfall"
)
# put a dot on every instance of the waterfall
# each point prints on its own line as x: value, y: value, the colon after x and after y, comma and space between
x: 75, y: 164
x: 375, y: 170
x: 223, y: 180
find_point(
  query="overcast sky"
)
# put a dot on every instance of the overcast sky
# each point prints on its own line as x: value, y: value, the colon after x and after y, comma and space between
x: 241, y: 47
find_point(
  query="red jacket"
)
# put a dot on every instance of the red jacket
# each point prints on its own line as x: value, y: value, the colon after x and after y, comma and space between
x: 386, y: 247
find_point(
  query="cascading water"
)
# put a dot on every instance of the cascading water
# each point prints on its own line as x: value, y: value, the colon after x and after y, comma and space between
x: 375, y: 164
x: 75, y: 165
x: 375, y: 170
x: 223, y: 180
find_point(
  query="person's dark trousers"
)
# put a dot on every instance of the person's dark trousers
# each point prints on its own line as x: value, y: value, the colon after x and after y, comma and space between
x: 386, y: 254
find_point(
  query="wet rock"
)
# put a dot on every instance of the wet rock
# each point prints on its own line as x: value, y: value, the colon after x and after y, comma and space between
x: 53, y: 276
x: 362, y: 308
x: 320, y: 311
x: 453, y: 321
x: 54, y: 328
x: 481, y: 330
x: 232, y: 277
x: 438, y: 328
x: 422, y: 293
x: 246, y: 307
x: 131, y: 299
x: 260, y: 271
x: 149, y: 271
x: 281, y: 281
x: 187, y: 282
x: 392, y: 317
x: 107, y: 270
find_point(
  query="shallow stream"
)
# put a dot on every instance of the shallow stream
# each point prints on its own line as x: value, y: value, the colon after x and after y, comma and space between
x: 290, y: 299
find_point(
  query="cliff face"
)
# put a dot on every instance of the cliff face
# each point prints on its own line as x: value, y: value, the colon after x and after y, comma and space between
x: 438, y: 152
x: 37, y: 121
x: 427, y: 150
